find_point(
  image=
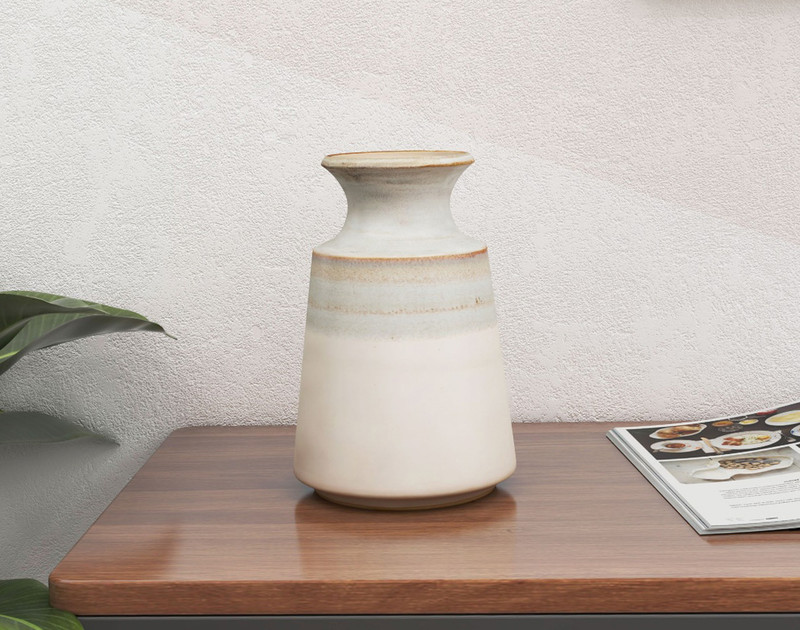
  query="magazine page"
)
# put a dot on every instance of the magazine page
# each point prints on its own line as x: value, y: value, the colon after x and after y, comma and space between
x: 735, y: 473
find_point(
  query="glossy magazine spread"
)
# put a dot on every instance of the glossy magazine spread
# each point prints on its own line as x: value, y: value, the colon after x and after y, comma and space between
x: 726, y: 475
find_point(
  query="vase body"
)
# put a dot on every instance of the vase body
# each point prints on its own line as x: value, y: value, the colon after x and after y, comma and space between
x: 403, y: 398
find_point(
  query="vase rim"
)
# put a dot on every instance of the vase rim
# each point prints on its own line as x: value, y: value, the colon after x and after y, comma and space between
x: 397, y: 159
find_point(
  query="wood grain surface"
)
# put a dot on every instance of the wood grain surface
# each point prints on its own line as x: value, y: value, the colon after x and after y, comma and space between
x: 216, y: 523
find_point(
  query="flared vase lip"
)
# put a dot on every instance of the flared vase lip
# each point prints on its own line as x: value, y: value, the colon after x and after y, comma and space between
x: 397, y: 159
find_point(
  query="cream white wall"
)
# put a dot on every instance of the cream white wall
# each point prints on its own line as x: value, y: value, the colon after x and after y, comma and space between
x: 636, y: 180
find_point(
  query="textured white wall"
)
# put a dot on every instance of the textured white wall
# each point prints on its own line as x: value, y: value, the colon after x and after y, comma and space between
x: 636, y: 180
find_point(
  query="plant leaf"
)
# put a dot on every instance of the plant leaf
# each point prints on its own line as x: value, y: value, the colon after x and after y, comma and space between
x: 9, y: 623
x: 31, y: 321
x: 25, y: 605
x: 17, y: 310
x: 25, y: 427
x: 55, y: 302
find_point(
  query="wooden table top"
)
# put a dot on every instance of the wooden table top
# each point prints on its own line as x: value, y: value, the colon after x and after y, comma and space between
x: 216, y: 523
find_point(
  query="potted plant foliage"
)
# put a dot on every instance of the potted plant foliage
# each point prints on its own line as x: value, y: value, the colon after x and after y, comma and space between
x: 31, y: 321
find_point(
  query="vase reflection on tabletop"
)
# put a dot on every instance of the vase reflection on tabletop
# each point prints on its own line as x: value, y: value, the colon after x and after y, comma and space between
x: 403, y: 399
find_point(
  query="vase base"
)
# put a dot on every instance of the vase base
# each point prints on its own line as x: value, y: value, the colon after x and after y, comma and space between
x: 405, y: 504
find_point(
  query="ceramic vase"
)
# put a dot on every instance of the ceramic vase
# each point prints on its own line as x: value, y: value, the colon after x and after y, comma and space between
x: 403, y: 398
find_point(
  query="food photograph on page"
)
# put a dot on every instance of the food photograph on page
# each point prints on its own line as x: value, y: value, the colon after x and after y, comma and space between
x: 737, y: 435
x: 769, y: 463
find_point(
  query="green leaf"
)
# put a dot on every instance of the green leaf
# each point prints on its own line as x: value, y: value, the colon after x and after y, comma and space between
x: 31, y: 321
x: 9, y: 623
x: 25, y: 605
x: 25, y: 427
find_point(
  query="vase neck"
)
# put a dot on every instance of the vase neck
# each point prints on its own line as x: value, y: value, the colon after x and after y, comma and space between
x: 399, y: 203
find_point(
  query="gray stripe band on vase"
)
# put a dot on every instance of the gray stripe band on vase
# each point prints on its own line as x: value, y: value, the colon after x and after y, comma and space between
x: 429, y: 297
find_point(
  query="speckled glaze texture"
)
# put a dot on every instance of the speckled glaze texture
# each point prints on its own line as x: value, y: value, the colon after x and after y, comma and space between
x: 403, y: 399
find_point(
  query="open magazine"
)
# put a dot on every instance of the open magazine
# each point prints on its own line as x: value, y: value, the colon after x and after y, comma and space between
x: 737, y: 474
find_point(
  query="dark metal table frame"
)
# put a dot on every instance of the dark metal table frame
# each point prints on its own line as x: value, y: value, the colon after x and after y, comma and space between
x: 774, y: 621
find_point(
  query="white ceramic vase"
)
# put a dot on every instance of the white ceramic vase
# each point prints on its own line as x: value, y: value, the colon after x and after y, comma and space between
x: 403, y: 398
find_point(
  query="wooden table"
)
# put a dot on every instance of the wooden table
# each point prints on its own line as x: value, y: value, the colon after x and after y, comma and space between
x: 216, y: 525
